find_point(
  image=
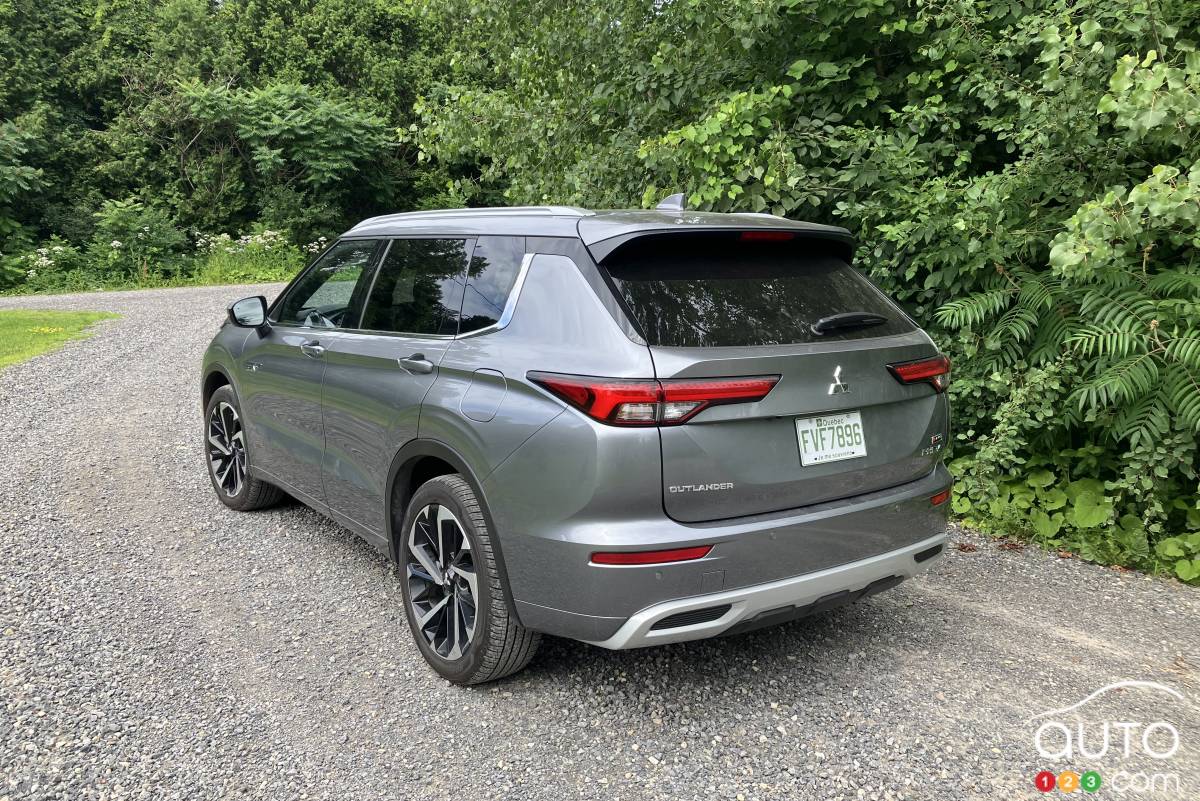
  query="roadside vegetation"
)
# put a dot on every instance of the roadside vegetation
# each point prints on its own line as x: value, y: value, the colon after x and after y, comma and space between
x: 1024, y: 177
x: 25, y: 334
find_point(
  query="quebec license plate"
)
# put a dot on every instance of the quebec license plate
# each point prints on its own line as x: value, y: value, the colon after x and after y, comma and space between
x: 830, y: 438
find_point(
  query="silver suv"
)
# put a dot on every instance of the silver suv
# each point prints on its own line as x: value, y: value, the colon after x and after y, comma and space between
x: 623, y: 427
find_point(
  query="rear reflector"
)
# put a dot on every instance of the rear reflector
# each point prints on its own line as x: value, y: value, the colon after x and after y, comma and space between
x: 767, y: 236
x: 648, y: 402
x: 940, y: 498
x: 934, y: 371
x: 652, y: 557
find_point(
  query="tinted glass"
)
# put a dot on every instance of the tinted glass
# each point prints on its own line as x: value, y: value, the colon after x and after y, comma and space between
x: 419, y: 289
x: 490, y: 278
x: 708, y: 291
x: 325, y: 297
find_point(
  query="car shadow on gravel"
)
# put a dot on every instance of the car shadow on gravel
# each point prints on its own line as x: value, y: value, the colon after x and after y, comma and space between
x: 812, y: 645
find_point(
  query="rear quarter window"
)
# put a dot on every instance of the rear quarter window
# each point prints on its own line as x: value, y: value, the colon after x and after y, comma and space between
x: 719, y: 290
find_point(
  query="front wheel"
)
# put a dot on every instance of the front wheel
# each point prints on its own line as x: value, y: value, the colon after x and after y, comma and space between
x: 454, y: 594
x: 228, y: 459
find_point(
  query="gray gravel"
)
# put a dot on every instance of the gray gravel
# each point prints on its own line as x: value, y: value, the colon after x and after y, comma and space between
x: 156, y: 645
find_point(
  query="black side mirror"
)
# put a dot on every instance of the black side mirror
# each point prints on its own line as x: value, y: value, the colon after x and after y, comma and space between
x: 249, y: 312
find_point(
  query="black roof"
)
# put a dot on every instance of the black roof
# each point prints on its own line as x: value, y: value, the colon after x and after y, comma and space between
x: 601, y: 231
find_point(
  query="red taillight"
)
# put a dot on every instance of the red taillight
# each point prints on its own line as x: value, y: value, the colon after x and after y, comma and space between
x: 934, y: 371
x: 652, y: 557
x: 766, y: 236
x: 647, y: 402
x: 940, y: 498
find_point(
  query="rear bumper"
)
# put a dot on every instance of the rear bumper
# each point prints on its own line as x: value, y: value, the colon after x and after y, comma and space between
x: 841, y: 546
x: 776, y: 601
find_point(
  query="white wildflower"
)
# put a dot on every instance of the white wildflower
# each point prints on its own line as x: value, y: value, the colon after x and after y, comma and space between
x: 116, y: 244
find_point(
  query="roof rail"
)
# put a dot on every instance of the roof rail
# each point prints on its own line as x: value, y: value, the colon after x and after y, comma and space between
x: 492, y: 211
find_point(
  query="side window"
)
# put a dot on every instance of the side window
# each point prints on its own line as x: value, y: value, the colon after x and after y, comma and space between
x: 325, y: 296
x: 419, y: 287
x: 490, y: 278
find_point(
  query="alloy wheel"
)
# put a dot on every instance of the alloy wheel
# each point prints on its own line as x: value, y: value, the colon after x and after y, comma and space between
x: 227, y: 448
x: 442, y: 584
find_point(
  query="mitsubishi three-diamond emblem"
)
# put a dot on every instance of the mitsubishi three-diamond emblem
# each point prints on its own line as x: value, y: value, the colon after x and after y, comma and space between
x: 837, y: 387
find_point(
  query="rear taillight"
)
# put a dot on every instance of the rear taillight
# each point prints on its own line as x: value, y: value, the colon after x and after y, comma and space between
x: 940, y: 498
x: 648, y: 402
x: 651, y: 557
x: 934, y: 371
x: 767, y: 236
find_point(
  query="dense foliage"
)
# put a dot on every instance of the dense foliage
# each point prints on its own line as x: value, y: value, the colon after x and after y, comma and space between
x: 161, y: 125
x: 1022, y: 175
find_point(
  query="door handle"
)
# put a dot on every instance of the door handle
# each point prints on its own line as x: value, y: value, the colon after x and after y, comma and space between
x: 312, y: 348
x: 417, y: 363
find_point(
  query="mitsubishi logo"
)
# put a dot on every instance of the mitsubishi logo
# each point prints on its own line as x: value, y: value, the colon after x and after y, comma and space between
x: 837, y: 387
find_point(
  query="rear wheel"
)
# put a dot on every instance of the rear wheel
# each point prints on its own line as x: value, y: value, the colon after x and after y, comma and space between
x: 228, y: 459
x: 454, y: 594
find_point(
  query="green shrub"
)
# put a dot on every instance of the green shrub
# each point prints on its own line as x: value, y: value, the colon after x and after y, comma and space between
x: 17, y: 179
x: 265, y: 255
x: 134, y: 243
x: 1113, y: 323
x: 55, y: 265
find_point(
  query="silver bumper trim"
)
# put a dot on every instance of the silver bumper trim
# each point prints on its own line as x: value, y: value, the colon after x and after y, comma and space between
x: 747, y: 602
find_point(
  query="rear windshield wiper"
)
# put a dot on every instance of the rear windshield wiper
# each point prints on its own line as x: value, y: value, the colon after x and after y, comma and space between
x: 851, y: 319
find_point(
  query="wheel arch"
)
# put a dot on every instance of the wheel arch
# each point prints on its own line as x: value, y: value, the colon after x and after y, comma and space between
x: 414, y: 461
x: 214, y: 379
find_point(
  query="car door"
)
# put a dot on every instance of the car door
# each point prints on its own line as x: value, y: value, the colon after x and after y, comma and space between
x: 377, y: 376
x: 283, y: 365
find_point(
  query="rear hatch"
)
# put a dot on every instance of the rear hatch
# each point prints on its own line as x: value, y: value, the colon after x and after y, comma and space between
x: 838, y: 423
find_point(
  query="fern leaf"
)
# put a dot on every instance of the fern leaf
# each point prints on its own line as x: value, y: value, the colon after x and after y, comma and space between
x: 1036, y: 293
x: 1175, y: 282
x: 1181, y: 386
x: 1053, y: 330
x: 1185, y: 350
x: 1120, y: 383
x: 1094, y: 340
x: 1129, y: 310
x: 1016, y: 323
x: 970, y: 311
x: 1145, y: 420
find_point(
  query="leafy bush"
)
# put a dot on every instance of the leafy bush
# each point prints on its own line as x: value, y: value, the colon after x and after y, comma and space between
x: 55, y: 265
x: 282, y: 151
x: 17, y: 179
x: 262, y: 256
x: 135, y: 243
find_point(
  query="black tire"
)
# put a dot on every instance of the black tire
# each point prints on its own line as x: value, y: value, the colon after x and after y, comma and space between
x: 247, y: 493
x: 497, y: 645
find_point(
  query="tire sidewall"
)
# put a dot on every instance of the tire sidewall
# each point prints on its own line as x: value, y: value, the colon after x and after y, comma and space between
x: 226, y: 394
x: 462, y: 669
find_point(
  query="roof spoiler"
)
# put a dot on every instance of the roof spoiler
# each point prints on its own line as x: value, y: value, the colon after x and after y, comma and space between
x: 838, y: 239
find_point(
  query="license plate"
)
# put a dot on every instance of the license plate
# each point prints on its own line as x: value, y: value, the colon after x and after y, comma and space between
x: 830, y: 438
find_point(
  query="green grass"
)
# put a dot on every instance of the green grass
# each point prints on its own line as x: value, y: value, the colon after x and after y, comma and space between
x: 25, y: 333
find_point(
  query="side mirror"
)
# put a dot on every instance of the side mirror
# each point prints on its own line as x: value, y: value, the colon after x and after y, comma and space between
x: 249, y: 312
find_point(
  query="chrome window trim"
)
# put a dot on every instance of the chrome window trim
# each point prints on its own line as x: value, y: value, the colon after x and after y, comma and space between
x: 510, y: 305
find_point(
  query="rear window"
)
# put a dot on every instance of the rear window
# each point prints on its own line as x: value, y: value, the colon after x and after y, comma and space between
x: 702, y: 290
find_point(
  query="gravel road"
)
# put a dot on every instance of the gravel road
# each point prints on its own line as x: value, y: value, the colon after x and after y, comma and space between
x: 156, y: 645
